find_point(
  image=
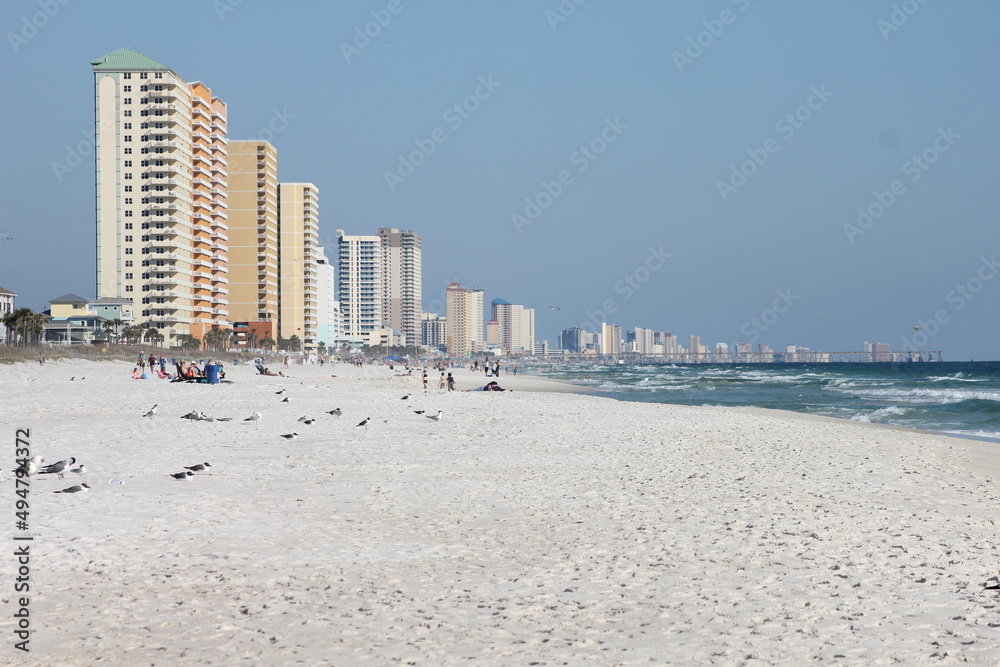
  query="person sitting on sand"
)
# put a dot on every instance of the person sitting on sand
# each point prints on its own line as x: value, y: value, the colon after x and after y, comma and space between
x: 135, y: 374
x: 189, y: 370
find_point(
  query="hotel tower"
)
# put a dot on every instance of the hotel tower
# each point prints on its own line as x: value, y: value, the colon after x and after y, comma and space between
x: 161, y: 175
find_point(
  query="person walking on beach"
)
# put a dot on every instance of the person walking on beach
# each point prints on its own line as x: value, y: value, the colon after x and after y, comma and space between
x: 451, y: 383
x: 142, y: 362
x: 443, y: 382
x: 424, y: 378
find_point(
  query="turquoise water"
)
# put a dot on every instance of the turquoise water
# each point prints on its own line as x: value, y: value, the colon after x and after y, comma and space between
x: 957, y: 398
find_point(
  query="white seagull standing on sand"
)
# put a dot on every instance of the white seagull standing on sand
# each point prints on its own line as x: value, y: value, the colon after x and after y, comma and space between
x: 365, y: 422
x: 255, y: 417
x: 436, y: 417
x: 57, y: 468
x: 29, y: 467
x: 335, y: 412
x: 152, y: 411
x: 182, y: 476
x: 279, y: 393
x: 79, y: 470
x: 74, y: 489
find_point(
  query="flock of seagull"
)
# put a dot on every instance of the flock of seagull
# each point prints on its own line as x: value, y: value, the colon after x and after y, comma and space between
x: 33, y: 466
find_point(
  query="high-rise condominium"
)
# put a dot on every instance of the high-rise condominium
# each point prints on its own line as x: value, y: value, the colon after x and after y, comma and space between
x: 359, y: 284
x: 464, y: 321
x: 516, y: 326
x: 161, y: 176
x: 401, y: 282
x: 298, y: 233
x: 253, y: 233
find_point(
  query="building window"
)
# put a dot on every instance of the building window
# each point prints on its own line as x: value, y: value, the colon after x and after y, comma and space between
x: 127, y: 75
x: 128, y: 163
x: 159, y: 75
x: 128, y: 262
x: 128, y: 100
x: 128, y: 239
x: 144, y: 163
x: 128, y: 288
x: 128, y: 225
x: 127, y: 113
x: 128, y: 251
x: 128, y: 177
x: 128, y: 200
x: 128, y: 276
x: 128, y: 126
x: 128, y: 188
x: 128, y: 137
x: 128, y: 214
x: 128, y: 151
x: 144, y: 126
x: 127, y: 89
x: 143, y: 75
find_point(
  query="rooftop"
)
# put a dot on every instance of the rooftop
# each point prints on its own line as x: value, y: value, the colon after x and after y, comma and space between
x: 126, y: 59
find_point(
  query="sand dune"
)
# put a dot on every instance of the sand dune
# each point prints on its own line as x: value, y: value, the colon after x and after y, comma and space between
x: 525, y: 527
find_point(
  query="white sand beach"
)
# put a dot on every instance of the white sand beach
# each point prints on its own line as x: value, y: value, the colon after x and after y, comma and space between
x: 525, y: 527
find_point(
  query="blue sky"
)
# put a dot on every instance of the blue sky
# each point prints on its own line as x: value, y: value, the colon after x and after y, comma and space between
x: 696, y: 167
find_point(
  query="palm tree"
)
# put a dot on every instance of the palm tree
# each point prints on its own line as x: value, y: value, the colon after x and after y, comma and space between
x: 267, y: 343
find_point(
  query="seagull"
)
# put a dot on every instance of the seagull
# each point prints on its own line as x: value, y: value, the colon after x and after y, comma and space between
x: 553, y: 307
x: 335, y: 412
x: 182, y: 476
x: 436, y: 417
x: 279, y: 393
x: 29, y: 467
x: 194, y: 414
x: 285, y: 399
x: 405, y: 398
x: 254, y: 417
x: 72, y: 378
x: 290, y: 436
x: 418, y: 412
x: 303, y: 418
x: 74, y: 489
x: 365, y: 422
x: 199, y: 467
x: 202, y: 417
x: 79, y: 470
x: 58, y: 468
x: 152, y: 411
x: 309, y: 421
x: 224, y: 419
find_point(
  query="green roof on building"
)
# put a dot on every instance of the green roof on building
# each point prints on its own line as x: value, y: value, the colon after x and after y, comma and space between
x: 126, y: 59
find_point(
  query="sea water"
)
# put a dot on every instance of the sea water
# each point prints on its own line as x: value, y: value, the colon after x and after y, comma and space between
x: 957, y: 398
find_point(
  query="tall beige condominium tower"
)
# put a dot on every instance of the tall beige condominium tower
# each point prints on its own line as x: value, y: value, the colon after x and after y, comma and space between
x: 253, y: 233
x: 160, y: 153
x: 402, y: 282
x: 298, y: 233
x: 464, y: 330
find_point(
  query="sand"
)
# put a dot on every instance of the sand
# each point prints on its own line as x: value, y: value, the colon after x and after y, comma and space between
x: 526, y: 527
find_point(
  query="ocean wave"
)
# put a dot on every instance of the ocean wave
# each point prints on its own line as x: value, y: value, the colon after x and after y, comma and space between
x: 931, y: 396
x: 878, y: 416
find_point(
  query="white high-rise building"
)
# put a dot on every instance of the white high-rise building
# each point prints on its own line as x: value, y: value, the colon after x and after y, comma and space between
x: 161, y: 177
x: 330, y: 327
x: 360, y: 286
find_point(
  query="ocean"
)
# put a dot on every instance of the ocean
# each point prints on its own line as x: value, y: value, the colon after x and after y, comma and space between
x: 955, y: 398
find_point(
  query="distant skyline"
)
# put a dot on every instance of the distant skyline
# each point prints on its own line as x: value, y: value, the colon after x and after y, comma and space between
x: 686, y: 165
